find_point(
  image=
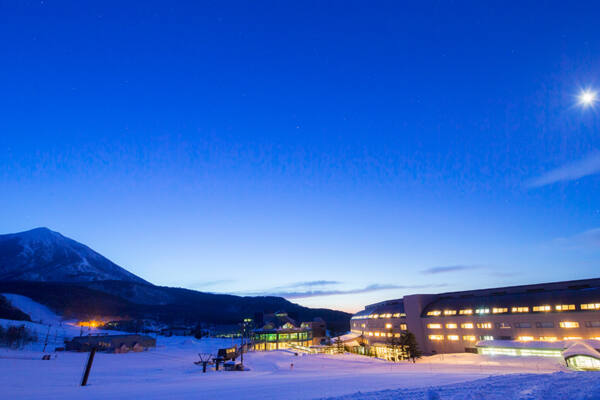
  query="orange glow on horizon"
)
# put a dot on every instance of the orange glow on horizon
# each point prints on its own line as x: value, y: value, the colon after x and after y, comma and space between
x: 90, y: 324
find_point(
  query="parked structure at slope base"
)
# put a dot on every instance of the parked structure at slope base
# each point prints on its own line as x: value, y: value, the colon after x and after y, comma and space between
x: 111, y: 343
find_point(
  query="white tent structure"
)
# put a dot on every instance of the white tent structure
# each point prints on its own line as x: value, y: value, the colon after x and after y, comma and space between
x: 582, y: 356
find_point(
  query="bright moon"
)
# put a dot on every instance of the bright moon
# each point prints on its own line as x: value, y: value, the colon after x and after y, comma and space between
x: 587, y: 98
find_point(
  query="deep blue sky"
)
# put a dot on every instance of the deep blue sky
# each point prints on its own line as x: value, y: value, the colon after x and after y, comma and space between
x: 370, y: 149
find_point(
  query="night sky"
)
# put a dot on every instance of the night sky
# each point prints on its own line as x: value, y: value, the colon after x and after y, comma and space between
x: 335, y: 153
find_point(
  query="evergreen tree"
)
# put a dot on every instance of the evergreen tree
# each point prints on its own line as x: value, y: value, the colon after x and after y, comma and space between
x: 409, y: 342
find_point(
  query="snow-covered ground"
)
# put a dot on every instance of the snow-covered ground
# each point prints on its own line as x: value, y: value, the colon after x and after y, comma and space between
x: 556, y: 386
x: 168, y: 372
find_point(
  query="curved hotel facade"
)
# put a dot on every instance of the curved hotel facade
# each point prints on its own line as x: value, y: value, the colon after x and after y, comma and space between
x: 457, y: 321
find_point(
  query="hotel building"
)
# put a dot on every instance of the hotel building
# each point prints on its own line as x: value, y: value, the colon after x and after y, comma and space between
x: 456, y: 321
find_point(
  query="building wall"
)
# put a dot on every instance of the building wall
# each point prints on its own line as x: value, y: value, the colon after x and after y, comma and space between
x: 449, y: 331
x: 524, y: 327
x: 414, y: 306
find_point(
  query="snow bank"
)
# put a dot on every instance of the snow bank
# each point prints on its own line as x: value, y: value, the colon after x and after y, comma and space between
x: 556, y: 386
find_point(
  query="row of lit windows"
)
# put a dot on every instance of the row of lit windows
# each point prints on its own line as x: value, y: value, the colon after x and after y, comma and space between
x: 505, y: 325
x: 388, y: 325
x: 383, y: 334
x: 376, y: 316
x: 389, y: 315
x: 471, y: 338
x: 454, y: 338
x: 593, y: 306
x: 502, y: 310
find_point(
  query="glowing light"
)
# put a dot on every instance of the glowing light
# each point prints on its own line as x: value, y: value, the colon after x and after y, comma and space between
x: 587, y: 98
x: 89, y: 324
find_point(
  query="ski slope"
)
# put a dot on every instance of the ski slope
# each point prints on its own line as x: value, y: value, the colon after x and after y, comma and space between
x: 37, y: 312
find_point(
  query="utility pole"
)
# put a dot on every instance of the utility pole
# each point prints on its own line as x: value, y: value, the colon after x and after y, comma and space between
x: 88, y: 367
x: 46, y: 340
x: 242, y: 346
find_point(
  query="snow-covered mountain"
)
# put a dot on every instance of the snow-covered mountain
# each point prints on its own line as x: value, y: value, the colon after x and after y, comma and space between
x: 44, y: 255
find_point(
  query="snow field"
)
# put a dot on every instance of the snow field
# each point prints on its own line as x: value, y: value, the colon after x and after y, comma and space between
x: 168, y: 372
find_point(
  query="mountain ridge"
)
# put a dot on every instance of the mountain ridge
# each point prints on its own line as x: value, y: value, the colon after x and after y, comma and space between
x: 77, y: 282
x: 41, y: 254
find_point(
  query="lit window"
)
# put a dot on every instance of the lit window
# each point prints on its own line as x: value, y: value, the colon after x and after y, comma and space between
x: 591, y: 306
x: 595, y: 338
x: 469, y: 338
x: 451, y: 326
x: 396, y: 335
x: 565, y: 307
x: 449, y: 312
x: 572, y: 338
x: 503, y: 325
x: 453, y: 337
x: 389, y: 334
x: 388, y: 326
x: 486, y: 337
x: 482, y: 311
x: 375, y: 316
x: 525, y: 338
x: 569, y: 324
x: 548, y: 338
x: 520, y: 309
x: 499, y: 310
x: 362, y: 326
x: 370, y: 333
x: 397, y: 315
x: 542, y: 308
x: 388, y: 315
x: 467, y: 325
x: 466, y: 312
x: 402, y: 327
x: 435, y: 313
x: 484, y: 325
x: 377, y: 333
x: 434, y: 326
x: 436, y: 337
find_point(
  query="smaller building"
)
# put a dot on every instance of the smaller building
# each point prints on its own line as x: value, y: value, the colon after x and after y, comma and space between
x: 111, y: 343
x: 319, y: 330
x: 279, y: 331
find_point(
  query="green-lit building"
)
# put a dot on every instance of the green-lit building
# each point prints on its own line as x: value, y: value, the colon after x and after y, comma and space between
x: 279, y: 331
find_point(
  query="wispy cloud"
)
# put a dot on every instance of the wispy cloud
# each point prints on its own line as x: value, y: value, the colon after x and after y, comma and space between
x: 589, y: 165
x: 311, y: 284
x: 585, y: 239
x: 448, y: 268
x: 326, y: 292
x: 207, y: 284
